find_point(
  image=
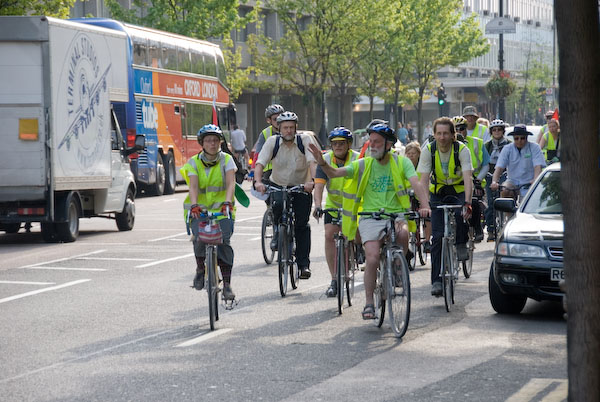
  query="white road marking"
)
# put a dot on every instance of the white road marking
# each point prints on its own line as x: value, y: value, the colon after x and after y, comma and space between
x: 170, y: 200
x: 252, y: 218
x: 244, y: 234
x: 535, y: 386
x: 165, y: 260
x: 559, y: 394
x: 114, y: 259
x: 203, y: 337
x: 66, y: 269
x: 168, y: 237
x: 256, y: 238
x: 63, y: 259
x: 35, y: 292
x: 27, y: 283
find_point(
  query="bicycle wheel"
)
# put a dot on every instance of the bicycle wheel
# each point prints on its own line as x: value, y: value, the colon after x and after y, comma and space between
x: 283, y: 252
x: 293, y: 265
x: 467, y: 266
x: 420, y: 240
x: 351, y: 269
x: 398, y: 292
x: 446, y: 273
x: 267, y: 235
x: 379, y: 294
x: 340, y: 267
x: 412, y: 246
x: 211, y: 288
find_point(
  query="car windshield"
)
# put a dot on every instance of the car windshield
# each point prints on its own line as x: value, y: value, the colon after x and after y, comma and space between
x: 545, y: 198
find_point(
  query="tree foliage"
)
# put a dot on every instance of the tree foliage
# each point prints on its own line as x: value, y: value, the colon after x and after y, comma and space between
x: 51, y: 8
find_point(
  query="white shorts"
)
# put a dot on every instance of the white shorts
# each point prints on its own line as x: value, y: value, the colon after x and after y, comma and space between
x: 372, y: 229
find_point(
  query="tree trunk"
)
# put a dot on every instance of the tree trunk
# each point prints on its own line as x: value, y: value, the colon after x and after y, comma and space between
x: 420, y: 130
x: 579, y: 81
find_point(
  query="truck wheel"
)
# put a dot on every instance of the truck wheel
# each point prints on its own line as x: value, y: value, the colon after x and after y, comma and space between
x: 503, y: 303
x: 126, y: 219
x: 170, y: 173
x: 49, y: 232
x: 11, y: 227
x: 69, y: 230
x: 158, y: 188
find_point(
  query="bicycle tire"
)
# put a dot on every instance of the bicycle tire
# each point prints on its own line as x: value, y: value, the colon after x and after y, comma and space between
x: 266, y: 235
x: 398, y: 292
x: 467, y: 266
x: 211, y: 289
x: 351, y: 272
x: 378, y: 294
x: 282, y: 259
x: 340, y: 268
x: 445, y: 270
x: 293, y: 264
x: 412, y: 246
x: 420, y: 241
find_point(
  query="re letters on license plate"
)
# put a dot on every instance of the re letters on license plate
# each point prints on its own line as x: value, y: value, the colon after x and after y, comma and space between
x: 557, y: 274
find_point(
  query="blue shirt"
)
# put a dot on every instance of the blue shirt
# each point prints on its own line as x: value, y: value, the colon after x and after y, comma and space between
x: 519, y: 164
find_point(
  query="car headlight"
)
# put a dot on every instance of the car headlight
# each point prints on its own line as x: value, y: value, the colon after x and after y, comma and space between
x: 520, y: 250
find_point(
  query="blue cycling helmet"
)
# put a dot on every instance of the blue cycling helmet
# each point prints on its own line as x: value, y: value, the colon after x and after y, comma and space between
x: 209, y: 129
x: 340, y: 133
x: 383, y: 130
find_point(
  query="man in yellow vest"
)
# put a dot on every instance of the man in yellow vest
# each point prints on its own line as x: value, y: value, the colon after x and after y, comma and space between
x: 549, y: 115
x: 550, y: 142
x: 446, y: 165
x: 271, y: 114
x: 374, y: 183
x: 473, y: 128
x: 341, y: 154
x: 210, y: 176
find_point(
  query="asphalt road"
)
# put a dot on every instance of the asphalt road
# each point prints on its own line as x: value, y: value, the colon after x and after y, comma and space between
x: 112, y: 317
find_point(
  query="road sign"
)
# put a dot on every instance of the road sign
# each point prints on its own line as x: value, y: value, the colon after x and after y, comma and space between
x: 500, y: 25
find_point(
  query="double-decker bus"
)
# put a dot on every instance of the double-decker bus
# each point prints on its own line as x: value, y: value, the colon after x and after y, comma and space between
x: 176, y: 84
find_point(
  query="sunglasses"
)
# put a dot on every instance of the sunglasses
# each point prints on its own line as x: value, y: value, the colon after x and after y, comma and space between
x: 520, y: 138
x: 461, y: 128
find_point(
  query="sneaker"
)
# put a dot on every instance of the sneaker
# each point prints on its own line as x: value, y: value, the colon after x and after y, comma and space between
x: 332, y: 289
x: 409, y: 256
x: 462, y: 253
x: 227, y: 292
x: 491, y: 236
x: 478, y: 237
x: 427, y: 246
x: 436, y: 289
x: 199, y: 281
x: 304, y: 272
x: 274, y: 241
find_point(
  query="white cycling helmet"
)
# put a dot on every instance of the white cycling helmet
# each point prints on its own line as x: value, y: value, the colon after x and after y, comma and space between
x: 287, y: 116
x: 497, y: 123
x: 273, y: 109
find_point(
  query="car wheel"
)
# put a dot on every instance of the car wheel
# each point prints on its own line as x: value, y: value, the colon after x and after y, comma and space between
x: 501, y: 302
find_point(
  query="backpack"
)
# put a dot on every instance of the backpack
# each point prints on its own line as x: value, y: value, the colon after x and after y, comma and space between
x: 298, y: 142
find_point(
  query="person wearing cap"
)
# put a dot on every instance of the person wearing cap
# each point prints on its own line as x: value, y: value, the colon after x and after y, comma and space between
x: 549, y: 115
x: 373, y: 183
x: 271, y: 114
x: 494, y: 147
x: 473, y: 128
x: 341, y: 154
x: 292, y: 166
x: 445, y: 164
x: 523, y: 161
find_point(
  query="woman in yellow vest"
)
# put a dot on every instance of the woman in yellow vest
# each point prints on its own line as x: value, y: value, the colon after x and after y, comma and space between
x: 550, y: 142
x: 210, y: 176
x: 374, y: 183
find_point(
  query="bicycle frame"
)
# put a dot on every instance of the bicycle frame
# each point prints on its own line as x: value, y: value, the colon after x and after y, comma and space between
x: 449, y: 259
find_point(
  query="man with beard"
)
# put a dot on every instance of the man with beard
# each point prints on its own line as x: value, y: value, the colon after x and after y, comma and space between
x: 374, y: 183
x: 292, y: 166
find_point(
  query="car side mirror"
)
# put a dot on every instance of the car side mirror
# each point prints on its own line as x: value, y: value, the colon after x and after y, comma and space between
x: 505, y: 205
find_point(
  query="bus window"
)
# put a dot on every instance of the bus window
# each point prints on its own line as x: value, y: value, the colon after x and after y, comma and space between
x: 196, y: 116
x: 169, y: 56
x: 211, y: 65
x: 140, y: 52
x: 183, y: 60
x: 197, y: 62
x: 154, y: 54
x: 221, y: 69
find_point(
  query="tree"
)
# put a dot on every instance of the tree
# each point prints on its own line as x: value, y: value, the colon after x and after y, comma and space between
x: 577, y: 21
x: 369, y: 74
x: 51, y: 8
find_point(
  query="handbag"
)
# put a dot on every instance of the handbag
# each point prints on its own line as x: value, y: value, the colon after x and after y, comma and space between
x: 209, y: 232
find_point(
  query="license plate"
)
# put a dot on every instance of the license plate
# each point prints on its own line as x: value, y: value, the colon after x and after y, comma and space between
x: 557, y: 274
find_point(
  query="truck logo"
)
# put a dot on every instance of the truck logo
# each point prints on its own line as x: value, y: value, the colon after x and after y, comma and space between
x: 85, y: 84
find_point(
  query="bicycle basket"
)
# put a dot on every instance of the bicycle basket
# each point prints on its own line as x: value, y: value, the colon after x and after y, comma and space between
x: 209, y: 233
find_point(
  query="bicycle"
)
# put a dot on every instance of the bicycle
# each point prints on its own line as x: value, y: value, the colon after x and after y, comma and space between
x: 449, y: 258
x: 346, y: 263
x: 393, y: 281
x: 416, y: 239
x: 242, y: 173
x: 267, y: 233
x: 500, y: 218
x: 467, y: 266
x: 286, y: 244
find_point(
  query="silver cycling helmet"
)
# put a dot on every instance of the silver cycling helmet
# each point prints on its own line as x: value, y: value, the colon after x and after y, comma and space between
x: 273, y: 109
x: 287, y: 116
x: 497, y: 123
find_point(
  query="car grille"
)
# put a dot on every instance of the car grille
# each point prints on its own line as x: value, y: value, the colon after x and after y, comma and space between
x: 556, y: 252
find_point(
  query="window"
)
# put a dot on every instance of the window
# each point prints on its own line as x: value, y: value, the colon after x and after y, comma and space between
x: 140, y: 52
x: 197, y: 62
x: 545, y: 198
x: 169, y: 56
x: 183, y: 60
x: 210, y: 64
x: 154, y: 58
x: 196, y: 116
x: 222, y: 74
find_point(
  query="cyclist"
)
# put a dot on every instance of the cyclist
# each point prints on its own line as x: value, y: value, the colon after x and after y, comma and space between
x: 365, y: 147
x: 473, y: 128
x: 341, y: 154
x: 210, y: 176
x: 550, y: 142
x: 374, y: 183
x: 549, y: 115
x: 238, y: 143
x: 494, y: 147
x: 292, y: 166
x: 480, y: 161
x: 413, y: 152
x: 446, y: 165
x: 523, y: 161
x: 271, y: 114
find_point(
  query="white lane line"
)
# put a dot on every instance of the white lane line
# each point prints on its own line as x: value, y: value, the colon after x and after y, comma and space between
x: 244, y: 234
x: 170, y: 200
x: 64, y: 259
x: 252, y: 218
x: 168, y: 237
x: 35, y: 292
x: 27, y: 283
x: 203, y: 337
x: 114, y: 259
x: 535, y: 386
x: 256, y: 238
x: 67, y: 269
x: 166, y: 260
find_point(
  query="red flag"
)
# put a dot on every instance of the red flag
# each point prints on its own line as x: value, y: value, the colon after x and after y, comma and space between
x: 215, y: 119
x: 555, y: 115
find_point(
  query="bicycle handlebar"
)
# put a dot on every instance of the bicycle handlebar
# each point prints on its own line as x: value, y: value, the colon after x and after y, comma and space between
x: 447, y: 206
x: 292, y: 189
x: 381, y: 214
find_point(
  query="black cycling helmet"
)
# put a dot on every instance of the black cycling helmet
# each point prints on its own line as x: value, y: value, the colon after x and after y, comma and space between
x: 340, y: 133
x: 209, y: 129
x: 383, y: 130
x: 273, y: 109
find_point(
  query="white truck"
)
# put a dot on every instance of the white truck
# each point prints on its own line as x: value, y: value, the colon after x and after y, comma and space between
x: 62, y: 155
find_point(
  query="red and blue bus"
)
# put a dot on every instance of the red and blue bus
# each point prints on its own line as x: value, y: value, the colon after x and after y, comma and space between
x: 175, y: 83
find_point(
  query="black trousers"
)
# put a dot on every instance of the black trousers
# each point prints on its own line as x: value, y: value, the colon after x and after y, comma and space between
x: 301, y: 205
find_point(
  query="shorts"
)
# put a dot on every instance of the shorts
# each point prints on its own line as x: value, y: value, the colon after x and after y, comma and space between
x: 372, y: 229
x: 328, y: 219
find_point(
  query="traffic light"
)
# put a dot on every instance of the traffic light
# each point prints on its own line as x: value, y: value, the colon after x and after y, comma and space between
x: 441, y: 94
